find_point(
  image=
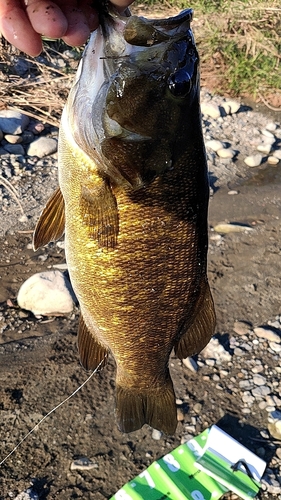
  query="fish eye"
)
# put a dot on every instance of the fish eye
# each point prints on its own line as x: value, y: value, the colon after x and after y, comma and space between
x: 180, y: 83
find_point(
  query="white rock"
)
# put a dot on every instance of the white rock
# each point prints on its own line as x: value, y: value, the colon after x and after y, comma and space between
x: 272, y: 160
x: 253, y: 160
x: 232, y: 106
x: 277, y: 154
x: 210, y: 109
x: 265, y: 332
x: 156, y: 434
x: 214, y: 145
x: 231, y: 228
x: 48, y: 294
x: 191, y: 364
x: 43, y: 146
x: 13, y: 122
x: 232, y: 192
x: 267, y: 133
x: 271, y: 126
x: 264, y: 148
x: 268, y: 140
x: 13, y: 139
x: 226, y: 153
x: 215, y: 350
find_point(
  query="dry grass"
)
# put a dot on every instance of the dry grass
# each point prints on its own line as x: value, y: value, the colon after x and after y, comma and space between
x: 42, y: 91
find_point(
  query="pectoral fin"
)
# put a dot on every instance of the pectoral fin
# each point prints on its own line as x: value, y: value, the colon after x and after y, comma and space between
x: 91, y: 352
x: 50, y: 226
x: 100, y: 213
x: 202, y: 329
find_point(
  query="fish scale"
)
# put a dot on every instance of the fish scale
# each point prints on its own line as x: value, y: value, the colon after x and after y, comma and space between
x: 135, y: 211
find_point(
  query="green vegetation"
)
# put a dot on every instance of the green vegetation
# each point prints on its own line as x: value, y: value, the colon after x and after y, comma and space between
x: 239, y: 43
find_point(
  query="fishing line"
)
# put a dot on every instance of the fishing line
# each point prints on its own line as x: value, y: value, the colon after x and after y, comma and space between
x: 49, y: 413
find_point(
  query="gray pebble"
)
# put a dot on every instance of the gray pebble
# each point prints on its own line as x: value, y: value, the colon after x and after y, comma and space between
x: 261, y: 392
x: 241, y: 327
x: 265, y: 332
x: 43, y: 146
x: 15, y: 149
x: 259, y: 380
x: 247, y: 398
x: 13, y: 122
x: 156, y: 434
x: 275, y: 347
x: 239, y: 352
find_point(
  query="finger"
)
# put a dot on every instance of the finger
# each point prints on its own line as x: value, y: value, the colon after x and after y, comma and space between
x: 81, y: 19
x: 78, y: 29
x: 90, y: 13
x: 46, y: 18
x: 16, y: 28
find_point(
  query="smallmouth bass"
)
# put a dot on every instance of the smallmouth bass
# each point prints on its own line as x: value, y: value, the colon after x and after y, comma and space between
x: 133, y: 202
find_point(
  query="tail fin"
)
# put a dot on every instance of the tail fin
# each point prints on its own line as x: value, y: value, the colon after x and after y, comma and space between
x: 155, y: 407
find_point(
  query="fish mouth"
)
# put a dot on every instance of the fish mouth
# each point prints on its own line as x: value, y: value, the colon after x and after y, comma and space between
x: 134, y: 79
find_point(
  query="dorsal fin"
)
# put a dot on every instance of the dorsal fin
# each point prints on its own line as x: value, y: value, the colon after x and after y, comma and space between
x: 50, y: 226
x: 91, y: 352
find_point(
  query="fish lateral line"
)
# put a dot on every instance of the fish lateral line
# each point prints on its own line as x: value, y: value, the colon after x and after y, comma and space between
x: 49, y: 413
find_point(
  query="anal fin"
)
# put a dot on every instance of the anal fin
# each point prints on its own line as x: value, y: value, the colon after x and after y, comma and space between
x: 91, y: 352
x: 156, y: 407
x: 51, y: 223
x: 197, y: 336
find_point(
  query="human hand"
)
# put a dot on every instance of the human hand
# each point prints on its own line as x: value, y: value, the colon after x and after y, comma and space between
x: 22, y: 22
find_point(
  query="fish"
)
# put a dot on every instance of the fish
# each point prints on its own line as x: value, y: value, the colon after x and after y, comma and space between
x: 133, y: 205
